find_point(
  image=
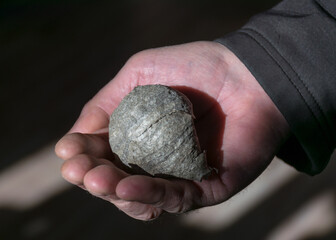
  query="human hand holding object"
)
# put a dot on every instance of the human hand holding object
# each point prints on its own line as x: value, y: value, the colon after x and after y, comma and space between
x: 236, y: 122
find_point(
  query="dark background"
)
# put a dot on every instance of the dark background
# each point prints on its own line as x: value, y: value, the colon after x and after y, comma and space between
x: 55, y: 55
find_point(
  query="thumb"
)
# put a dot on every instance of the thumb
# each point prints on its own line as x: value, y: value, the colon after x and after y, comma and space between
x: 174, y: 196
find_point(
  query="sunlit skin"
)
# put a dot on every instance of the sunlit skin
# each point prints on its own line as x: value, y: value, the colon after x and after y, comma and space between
x: 238, y: 125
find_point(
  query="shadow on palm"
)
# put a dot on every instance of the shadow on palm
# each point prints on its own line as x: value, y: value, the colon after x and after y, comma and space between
x: 209, y: 124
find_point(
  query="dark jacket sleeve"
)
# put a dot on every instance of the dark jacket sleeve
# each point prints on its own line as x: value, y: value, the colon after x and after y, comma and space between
x: 291, y: 51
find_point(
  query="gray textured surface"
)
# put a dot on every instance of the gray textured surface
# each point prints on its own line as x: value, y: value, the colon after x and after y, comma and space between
x: 153, y: 129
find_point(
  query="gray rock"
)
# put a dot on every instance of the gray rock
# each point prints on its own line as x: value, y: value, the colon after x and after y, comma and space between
x: 152, y: 129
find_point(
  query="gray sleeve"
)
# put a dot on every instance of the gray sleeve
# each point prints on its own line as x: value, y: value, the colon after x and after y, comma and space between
x: 291, y: 51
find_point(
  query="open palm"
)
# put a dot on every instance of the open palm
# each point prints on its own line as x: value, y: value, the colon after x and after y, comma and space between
x: 237, y: 124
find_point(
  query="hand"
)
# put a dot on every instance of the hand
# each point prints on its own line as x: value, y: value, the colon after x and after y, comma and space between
x: 237, y: 124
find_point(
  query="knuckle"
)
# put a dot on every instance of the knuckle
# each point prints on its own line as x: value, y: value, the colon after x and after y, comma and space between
x: 140, y: 212
x: 150, y: 215
x: 176, y: 203
x: 139, y: 56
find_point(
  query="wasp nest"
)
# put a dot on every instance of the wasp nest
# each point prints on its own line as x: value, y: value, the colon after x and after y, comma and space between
x: 152, y: 129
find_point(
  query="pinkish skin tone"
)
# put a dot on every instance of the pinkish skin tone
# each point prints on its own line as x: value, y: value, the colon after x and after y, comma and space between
x: 253, y: 130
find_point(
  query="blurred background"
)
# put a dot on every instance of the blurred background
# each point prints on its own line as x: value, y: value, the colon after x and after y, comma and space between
x: 54, y: 56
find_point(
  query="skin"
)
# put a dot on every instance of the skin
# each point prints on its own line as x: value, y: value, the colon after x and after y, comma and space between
x: 254, y: 130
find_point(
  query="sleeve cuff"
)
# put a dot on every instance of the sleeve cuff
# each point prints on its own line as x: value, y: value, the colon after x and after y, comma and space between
x: 309, y: 149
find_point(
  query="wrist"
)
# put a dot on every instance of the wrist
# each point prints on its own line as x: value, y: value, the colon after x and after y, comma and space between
x: 242, y: 86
